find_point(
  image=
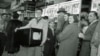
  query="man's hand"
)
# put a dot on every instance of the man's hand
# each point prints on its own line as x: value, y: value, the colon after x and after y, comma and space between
x: 16, y: 29
x: 96, y: 43
x: 81, y: 35
x: 41, y: 44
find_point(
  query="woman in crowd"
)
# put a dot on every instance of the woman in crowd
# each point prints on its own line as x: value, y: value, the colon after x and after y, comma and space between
x: 68, y: 38
x: 49, y: 47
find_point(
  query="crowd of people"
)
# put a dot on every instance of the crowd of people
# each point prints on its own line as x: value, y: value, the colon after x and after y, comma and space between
x: 71, y: 35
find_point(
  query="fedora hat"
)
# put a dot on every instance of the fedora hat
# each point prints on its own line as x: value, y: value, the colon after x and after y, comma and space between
x: 61, y: 10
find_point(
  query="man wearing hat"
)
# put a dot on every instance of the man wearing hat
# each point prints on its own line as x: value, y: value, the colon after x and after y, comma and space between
x: 60, y: 23
x: 61, y: 20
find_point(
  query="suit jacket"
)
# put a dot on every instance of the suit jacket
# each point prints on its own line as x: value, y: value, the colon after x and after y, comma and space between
x: 12, y: 42
x: 90, y: 31
x: 86, y: 48
x: 68, y: 39
x: 96, y: 38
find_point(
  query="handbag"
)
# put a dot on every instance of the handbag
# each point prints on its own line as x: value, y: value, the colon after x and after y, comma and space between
x: 30, y: 37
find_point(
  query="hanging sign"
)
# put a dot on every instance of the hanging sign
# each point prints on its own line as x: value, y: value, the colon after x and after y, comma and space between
x: 94, y: 5
x: 72, y: 7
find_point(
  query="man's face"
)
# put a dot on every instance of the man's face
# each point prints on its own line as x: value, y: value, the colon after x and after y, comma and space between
x: 71, y: 19
x: 91, y: 17
x: 38, y: 13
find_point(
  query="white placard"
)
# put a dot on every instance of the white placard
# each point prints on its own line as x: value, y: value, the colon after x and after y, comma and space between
x: 72, y: 7
x: 94, y: 5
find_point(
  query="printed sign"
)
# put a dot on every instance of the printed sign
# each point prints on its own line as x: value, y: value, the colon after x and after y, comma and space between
x: 95, y: 5
x: 72, y: 7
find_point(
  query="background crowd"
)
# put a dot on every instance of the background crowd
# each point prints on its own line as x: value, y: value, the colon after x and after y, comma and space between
x: 70, y: 35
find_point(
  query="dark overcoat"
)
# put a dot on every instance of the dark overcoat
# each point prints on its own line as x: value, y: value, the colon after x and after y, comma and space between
x: 12, y: 44
x: 68, y: 39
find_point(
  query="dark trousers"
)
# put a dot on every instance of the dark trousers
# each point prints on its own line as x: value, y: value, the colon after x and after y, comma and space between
x: 1, y: 49
x: 86, y: 49
x: 49, y: 50
x: 2, y: 42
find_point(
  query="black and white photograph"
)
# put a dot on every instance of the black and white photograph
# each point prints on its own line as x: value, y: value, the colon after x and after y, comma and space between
x: 49, y: 27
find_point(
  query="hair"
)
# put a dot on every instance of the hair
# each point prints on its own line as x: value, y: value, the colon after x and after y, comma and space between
x: 95, y: 13
x: 82, y: 18
x: 15, y: 15
x: 75, y: 18
x: 45, y: 17
x: 39, y: 9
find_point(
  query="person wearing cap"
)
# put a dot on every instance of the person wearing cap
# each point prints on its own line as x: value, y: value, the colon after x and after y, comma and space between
x: 12, y: 45
x: 3, y: 22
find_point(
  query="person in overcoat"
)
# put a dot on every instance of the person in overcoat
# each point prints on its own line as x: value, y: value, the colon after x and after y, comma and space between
x: 86, y: 45
x: 5, y: 17
x: 68, y: 38
x: 12, y: 43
